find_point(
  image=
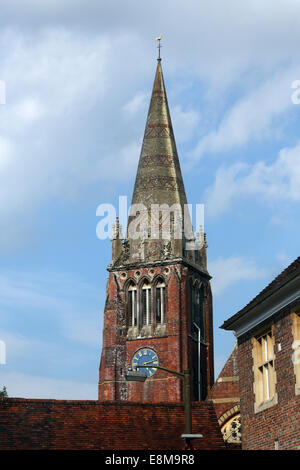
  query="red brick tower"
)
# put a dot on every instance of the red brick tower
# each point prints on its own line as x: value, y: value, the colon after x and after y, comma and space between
x: 158, y: 286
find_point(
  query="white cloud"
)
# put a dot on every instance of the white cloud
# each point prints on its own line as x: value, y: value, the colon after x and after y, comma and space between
x: 69, y: 65
x: 184, y: 123
x: 228, y: 271
x: 57, y: 296
x: 6, y: 153
x: 221, y: 195
x: 29, y: 110
x: 21, y: 292
x: 67, y: 70
x: 139, y: 102
x: 253, y: 30
x: 127, y: 160
x: 252, y: 117
x: 50, y: 322
x: 49, y: 77
x: 273, y: 183
x: 56, y: 137
x: 16, y: 345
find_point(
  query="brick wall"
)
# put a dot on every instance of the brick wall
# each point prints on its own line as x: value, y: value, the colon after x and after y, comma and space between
x: 174, y: 346
x: 281, y: 421
x: 58, y: 424
x: 225, y: 393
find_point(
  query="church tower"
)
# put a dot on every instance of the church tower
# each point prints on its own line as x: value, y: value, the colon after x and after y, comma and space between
x: 158, y: 308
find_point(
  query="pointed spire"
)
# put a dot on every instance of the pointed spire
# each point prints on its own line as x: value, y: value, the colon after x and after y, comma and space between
x: 159, y: 179
x: 159, y: 224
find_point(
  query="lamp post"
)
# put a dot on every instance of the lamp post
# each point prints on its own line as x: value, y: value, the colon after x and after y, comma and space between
x: 199, y: 360
x: 139, y: 376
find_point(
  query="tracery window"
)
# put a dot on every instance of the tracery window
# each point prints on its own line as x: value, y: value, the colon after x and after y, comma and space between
x: 146, y: 306
x: 232, y: 430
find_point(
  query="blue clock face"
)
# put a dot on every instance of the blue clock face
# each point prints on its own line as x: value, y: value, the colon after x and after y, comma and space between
x: 146, y: 358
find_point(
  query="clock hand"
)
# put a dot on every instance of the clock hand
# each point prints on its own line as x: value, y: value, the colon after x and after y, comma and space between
x: 144, y: 363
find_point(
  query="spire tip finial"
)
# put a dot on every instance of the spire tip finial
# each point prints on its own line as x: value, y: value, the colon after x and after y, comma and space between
x: 159, y: 46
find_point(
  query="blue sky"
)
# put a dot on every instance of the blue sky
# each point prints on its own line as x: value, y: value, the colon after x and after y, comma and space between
x: 78, y: 78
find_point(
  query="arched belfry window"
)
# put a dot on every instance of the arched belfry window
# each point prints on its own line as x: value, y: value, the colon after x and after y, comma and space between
x: 199, y: 314
x: 197, y: 308
x: 132, y: 306
x: 146, y: 303
x: 160, y: 301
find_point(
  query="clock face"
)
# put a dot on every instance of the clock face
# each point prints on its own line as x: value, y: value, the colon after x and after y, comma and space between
x: 145, y: 357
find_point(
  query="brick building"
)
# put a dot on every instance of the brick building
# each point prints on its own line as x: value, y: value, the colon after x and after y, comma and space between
x: 158, y: 303
x: 225, y: 395
x: 158, y: 311
x: 268, y: 335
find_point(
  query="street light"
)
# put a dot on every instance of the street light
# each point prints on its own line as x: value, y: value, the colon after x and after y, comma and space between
x: 199, y: 362
x: 135, y: 376
x: 139, y: 376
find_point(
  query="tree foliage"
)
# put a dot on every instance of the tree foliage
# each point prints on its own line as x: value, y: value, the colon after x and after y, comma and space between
x: 3, y: 393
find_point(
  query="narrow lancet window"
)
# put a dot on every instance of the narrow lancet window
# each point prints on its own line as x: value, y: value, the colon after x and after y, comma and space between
x: 160, y: 303
x: 197, y: 310
x: 146, y: 303
x: 132, y: 305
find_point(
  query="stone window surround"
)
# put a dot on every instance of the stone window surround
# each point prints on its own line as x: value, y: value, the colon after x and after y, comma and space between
x: 231, y: 430
x: 133, y: 311
x: 152, y: 327
x: 295, y: 316
x: 146, y: 308
x: 261, y: 404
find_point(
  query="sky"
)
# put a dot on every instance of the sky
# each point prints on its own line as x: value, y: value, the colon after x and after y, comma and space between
x: 77, y: 76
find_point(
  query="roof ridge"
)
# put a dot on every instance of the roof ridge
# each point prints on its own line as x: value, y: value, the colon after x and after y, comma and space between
x: 282, y: 278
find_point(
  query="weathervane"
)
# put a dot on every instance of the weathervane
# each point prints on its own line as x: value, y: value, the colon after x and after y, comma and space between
x: 159, y: 46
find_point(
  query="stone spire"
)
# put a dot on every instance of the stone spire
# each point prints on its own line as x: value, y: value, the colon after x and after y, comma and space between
x: 159, y: 185
x: 159, y: 179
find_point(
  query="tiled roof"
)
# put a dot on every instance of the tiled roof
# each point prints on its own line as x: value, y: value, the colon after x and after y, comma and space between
x: 285, y: 276
x: 59, y: 424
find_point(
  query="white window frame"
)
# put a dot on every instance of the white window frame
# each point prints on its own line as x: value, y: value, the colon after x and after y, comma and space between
x: 296, y: 348
x: 264, y: 371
